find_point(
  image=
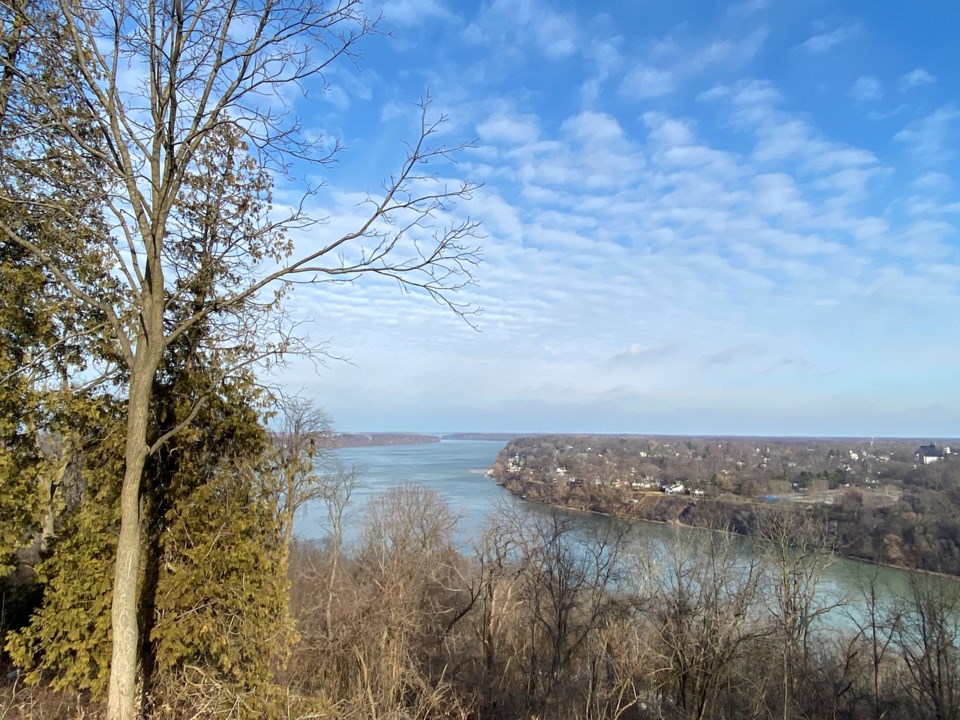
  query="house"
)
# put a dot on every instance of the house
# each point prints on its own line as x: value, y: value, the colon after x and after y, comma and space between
x: 929, y: 454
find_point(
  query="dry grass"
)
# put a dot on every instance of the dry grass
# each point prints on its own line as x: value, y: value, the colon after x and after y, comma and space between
x: 24, y: 702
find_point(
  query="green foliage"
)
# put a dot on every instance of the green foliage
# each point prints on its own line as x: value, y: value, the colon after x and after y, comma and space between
x: 23, y: 327
x: 214, y: 581
x: 221, y: 600
x: 220, y: 586
x: 216, y: 591
x: 68, y: 638
x: 53, y: 205
x: 19, y: 502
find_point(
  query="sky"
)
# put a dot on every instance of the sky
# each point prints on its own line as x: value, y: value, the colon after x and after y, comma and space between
x: 697, y: 218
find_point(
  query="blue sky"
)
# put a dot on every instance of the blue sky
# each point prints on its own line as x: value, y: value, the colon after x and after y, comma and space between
x: 723, y: 218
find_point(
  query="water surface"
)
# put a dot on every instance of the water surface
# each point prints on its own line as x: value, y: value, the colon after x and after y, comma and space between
x: 454, y: 469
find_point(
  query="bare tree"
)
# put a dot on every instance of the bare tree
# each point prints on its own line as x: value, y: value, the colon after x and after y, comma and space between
x: 304, y: 467
x: 406, y: 569
x: 567, y: 572
x: 798, y: 547
x: 878, y: 624
x: 703, y: 617
x: 308, y: 473
x: 929, y: 640
x: 192, y: 240
x: 496, y: 598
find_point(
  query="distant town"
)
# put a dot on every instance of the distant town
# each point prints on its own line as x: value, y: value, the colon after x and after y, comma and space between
x: 893, y: 501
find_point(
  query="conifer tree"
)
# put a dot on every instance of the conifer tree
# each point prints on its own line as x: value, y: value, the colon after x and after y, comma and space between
x: 68, y: 636
x: 220, y: 608
x: 47, y: 337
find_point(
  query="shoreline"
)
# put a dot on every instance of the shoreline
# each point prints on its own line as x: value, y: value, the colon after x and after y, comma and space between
x: 726, y: 531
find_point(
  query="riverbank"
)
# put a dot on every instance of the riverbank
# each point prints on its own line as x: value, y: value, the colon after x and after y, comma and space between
x: 879, y: 505
x: 738, y: 515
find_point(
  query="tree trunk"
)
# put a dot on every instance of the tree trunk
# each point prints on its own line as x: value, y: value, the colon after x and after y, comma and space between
x: 121, y: 700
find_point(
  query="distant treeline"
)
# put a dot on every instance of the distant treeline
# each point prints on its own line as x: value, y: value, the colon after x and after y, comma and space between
x: 346, y: 440
x: 349, y: 440
x: 501, y: 437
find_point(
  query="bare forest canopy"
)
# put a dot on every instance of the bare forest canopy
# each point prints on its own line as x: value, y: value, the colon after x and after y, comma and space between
x: 893, y: 501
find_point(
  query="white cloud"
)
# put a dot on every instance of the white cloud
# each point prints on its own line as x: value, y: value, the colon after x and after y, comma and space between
x: 512, y: 24
x: 725, y: 53
x: 788, y: 141
x: 827, y: 41
x: 916, y: 78
x: 668, y: 131
x: 509, y: 129
x: 753, y: 100
x: 778, y: 194
x: 606, y: 57
x: 673, y: 60
x: 593, y: 128
x: 644, y: 82
x: 556, y: 35
x: 746, y: 8
x: 638, y: 352
x: 931, y: 138
x: 933, y: 182
x: 867, y: 89
x: 695, y: 58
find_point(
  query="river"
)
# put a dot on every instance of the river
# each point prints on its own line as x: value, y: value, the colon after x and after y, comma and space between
x: 455, y: 470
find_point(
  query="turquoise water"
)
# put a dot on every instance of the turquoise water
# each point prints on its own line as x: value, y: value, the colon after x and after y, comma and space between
x: 454, y: 469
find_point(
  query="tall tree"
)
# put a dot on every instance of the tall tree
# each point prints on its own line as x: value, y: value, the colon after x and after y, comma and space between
x: 929, y: 638
x: 304, y: 468
x: 567, y: 570
x: 797, y: 545
x: 202, y: 76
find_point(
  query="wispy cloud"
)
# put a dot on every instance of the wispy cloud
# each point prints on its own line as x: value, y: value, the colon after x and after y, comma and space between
x: 916, y: 78
x: 511, y: 129
x: 746, y: 8
x: 932, y: 139
x: 867, y: 88
x: 694, y: 57
x: 410, y: 13
x: 607, y: 59
x: 516, y: 24
x: 729, y: 355
x: 645, y: 81
x: 826, y: 41
x: 640, y: 353
x: 673, y: 60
